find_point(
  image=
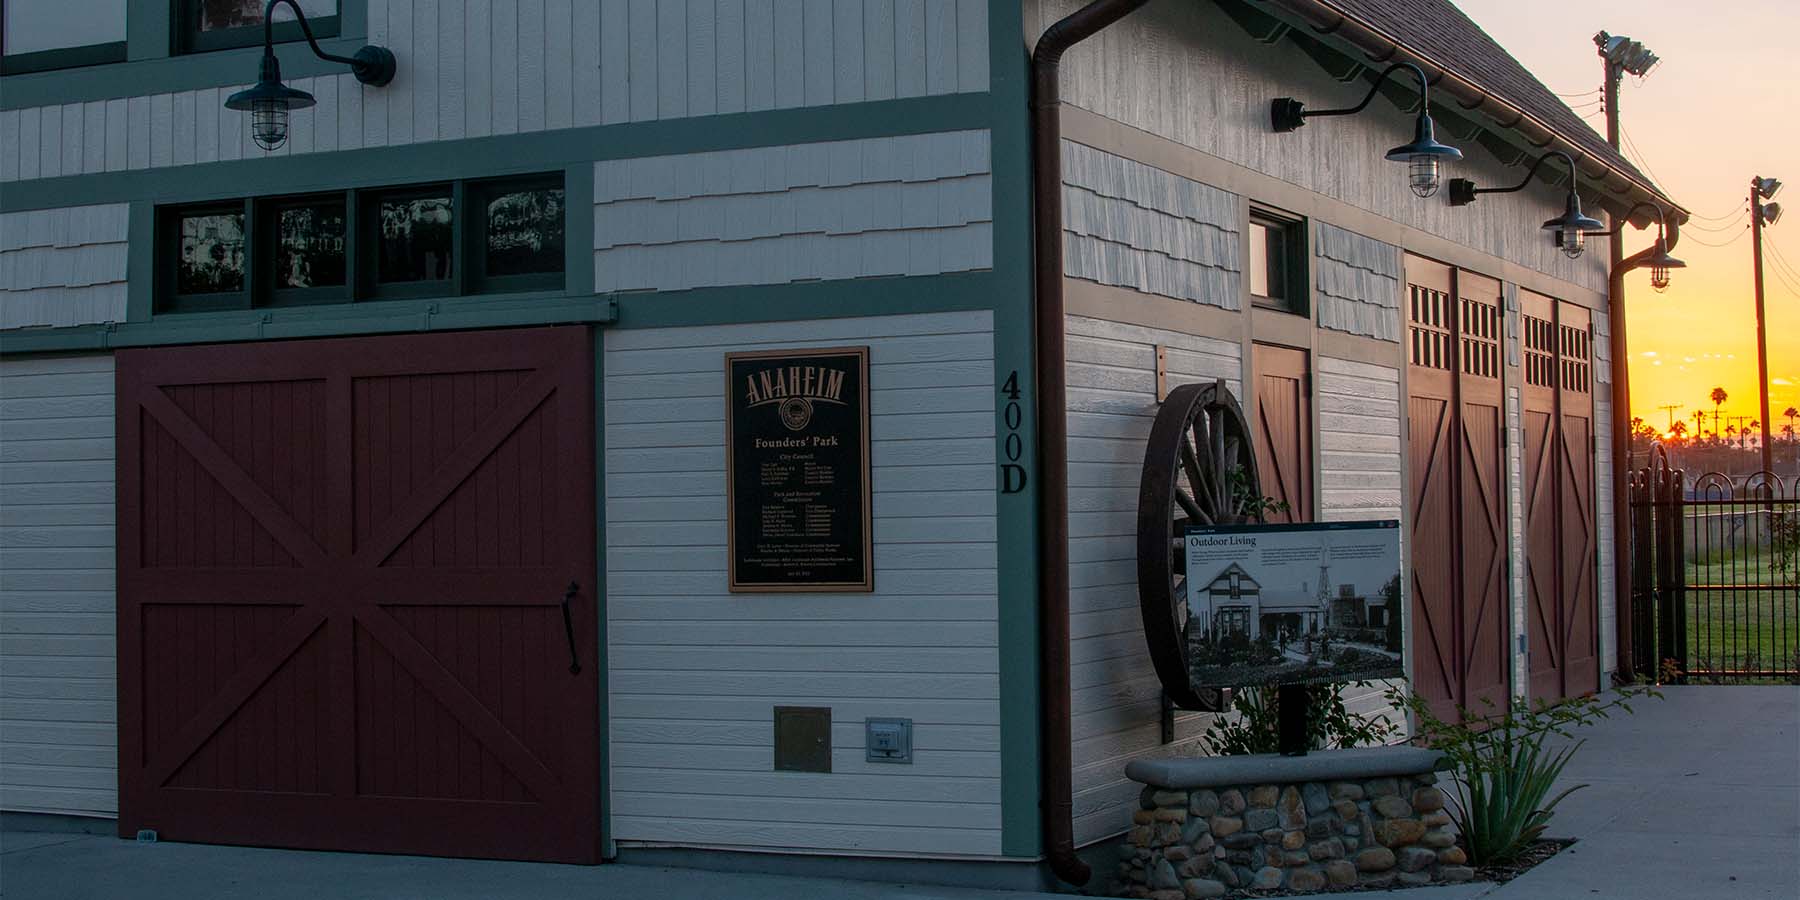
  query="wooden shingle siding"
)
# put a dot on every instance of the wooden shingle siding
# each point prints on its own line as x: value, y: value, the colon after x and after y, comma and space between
x: 1358, y: 282
x: 913, y: 205
x: 58, y: 723
x: 472, y: 68
x: 1188, y: 73
x: 1117, y: 699
x: 696, y: 671
x: 1130, y: 225
x: 63, y: 266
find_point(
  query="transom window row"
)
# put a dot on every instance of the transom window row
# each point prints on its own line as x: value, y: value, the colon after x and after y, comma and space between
x: 433, y: 240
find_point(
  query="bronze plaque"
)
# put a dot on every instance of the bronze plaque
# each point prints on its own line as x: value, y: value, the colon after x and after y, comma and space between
x: 797, y: 470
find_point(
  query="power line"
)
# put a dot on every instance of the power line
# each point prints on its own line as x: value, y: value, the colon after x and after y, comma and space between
x: 1587, y: 93
x: 1736, y: 222
x: 1738, y: 237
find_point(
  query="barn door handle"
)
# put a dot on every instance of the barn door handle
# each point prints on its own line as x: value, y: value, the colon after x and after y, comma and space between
x: 569, y: 627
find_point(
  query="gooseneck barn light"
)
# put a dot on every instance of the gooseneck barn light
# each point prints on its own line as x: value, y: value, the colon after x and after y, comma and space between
x: 269, y: 101
x: 1424, y: 156
x: 1569, y: 229
x: 1660, y: 262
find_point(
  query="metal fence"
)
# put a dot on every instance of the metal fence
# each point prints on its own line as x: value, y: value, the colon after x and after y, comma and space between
x: 1715, y: 587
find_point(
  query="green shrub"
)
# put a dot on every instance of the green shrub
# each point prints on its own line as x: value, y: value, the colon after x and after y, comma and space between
x: 1256, y: 728
x: 1500, y: 799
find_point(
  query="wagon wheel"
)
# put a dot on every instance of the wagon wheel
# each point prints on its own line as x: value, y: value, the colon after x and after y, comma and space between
x: 1198, y: 440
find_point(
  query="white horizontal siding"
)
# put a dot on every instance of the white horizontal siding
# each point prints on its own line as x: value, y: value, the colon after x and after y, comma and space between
x: 472, y: 68
x: 1360, y: 474
x: 1358, y: 283
x: 58, y: 731
x: 695, y: 671
x: 1515, y: 543
x: 1359, y: 440
x: 63, y: 266
x: 1131, y: 225
x: 1116, y: 696
x: 913, y: 205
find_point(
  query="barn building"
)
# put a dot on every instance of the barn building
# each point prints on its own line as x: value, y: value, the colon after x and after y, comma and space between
x: 371, y: 492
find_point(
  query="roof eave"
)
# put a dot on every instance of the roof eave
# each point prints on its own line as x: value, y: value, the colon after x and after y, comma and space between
x: 1625, y: 188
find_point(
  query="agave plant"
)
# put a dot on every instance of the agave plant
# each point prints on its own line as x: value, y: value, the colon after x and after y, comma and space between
x: 1504, y: 765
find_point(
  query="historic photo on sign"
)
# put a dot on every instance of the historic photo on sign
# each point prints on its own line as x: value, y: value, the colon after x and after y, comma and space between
x: 797, y: 459
x: 1268, y: 604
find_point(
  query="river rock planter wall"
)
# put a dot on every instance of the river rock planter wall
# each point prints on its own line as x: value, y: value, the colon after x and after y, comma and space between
x: 1334, y: 820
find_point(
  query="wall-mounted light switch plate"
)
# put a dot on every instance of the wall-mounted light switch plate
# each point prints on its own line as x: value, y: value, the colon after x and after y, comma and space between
x: 888, y: 740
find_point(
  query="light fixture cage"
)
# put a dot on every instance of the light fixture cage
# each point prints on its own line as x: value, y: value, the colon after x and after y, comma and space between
x: 269, y: 124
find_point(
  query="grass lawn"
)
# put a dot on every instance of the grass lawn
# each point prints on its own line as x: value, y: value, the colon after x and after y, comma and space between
x: 1739, y: 630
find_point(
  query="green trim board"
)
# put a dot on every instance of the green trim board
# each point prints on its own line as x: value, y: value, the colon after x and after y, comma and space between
x: 62, y: 58
x: 1011, y: 295
x: 152, y: 65
x: 608, y: 849
x: 338, y: 319
x: 849, y: 298
x: 514, y: 154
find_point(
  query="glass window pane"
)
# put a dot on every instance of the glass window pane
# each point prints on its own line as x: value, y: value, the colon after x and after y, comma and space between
x: 525, y: 232
x: 309, y: 250
x: 212, y: 15
x: 1259, y: 259
x: 35, y: 25
x: 416, y: 238
x: 212, y: 254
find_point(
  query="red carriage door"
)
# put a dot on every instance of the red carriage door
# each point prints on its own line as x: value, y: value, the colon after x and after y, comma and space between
x: 342, y: 576
x: 1578, y: 630
x: 1541, y: 461
x: 1284, y: 429
x: 1431, y: 465
x: 1561, y: 548
x: 1486, y: 622
x: 1454, y: 434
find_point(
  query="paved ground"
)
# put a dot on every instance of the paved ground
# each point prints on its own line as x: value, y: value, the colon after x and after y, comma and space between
x: 1693, y: 798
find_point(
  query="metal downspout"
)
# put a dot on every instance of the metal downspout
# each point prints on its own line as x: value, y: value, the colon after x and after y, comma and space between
x: 1055, y: 802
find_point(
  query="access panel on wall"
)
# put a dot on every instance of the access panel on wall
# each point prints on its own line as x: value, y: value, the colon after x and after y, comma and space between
x: 356, y: 594
x: 797, y: 463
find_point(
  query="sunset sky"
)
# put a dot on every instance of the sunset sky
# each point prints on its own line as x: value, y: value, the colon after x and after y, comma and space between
x: 1720, y: 109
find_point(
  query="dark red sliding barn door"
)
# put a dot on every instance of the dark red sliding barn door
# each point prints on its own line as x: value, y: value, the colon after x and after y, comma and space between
x: 1456, y: 491
x: 342, y: 570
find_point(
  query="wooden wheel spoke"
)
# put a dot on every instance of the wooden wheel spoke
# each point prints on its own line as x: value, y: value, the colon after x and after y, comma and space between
x: 1188, y: 506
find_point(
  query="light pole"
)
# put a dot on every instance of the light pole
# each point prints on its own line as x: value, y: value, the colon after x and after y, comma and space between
x: 1762, y: 214
x: 1620, y: 55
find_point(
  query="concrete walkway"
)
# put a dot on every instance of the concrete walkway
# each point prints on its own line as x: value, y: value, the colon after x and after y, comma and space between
x: 1694, y: 798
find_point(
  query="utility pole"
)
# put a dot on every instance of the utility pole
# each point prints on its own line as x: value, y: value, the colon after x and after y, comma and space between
x: 1620, y: 55
x: 1670, y: 408
x: 1762, y: 214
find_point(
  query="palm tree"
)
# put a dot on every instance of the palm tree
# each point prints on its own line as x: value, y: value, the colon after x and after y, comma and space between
x: 1744, y: 435
x: 1678, y: 431
x: 1699, y: 425
x: 1730, y: 432
x: 1718, y: 399
x: 1791, y: 414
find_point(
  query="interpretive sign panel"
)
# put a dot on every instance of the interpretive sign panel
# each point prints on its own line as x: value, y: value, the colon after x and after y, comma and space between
x: 1272, y: 604
x: 797, y: 470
